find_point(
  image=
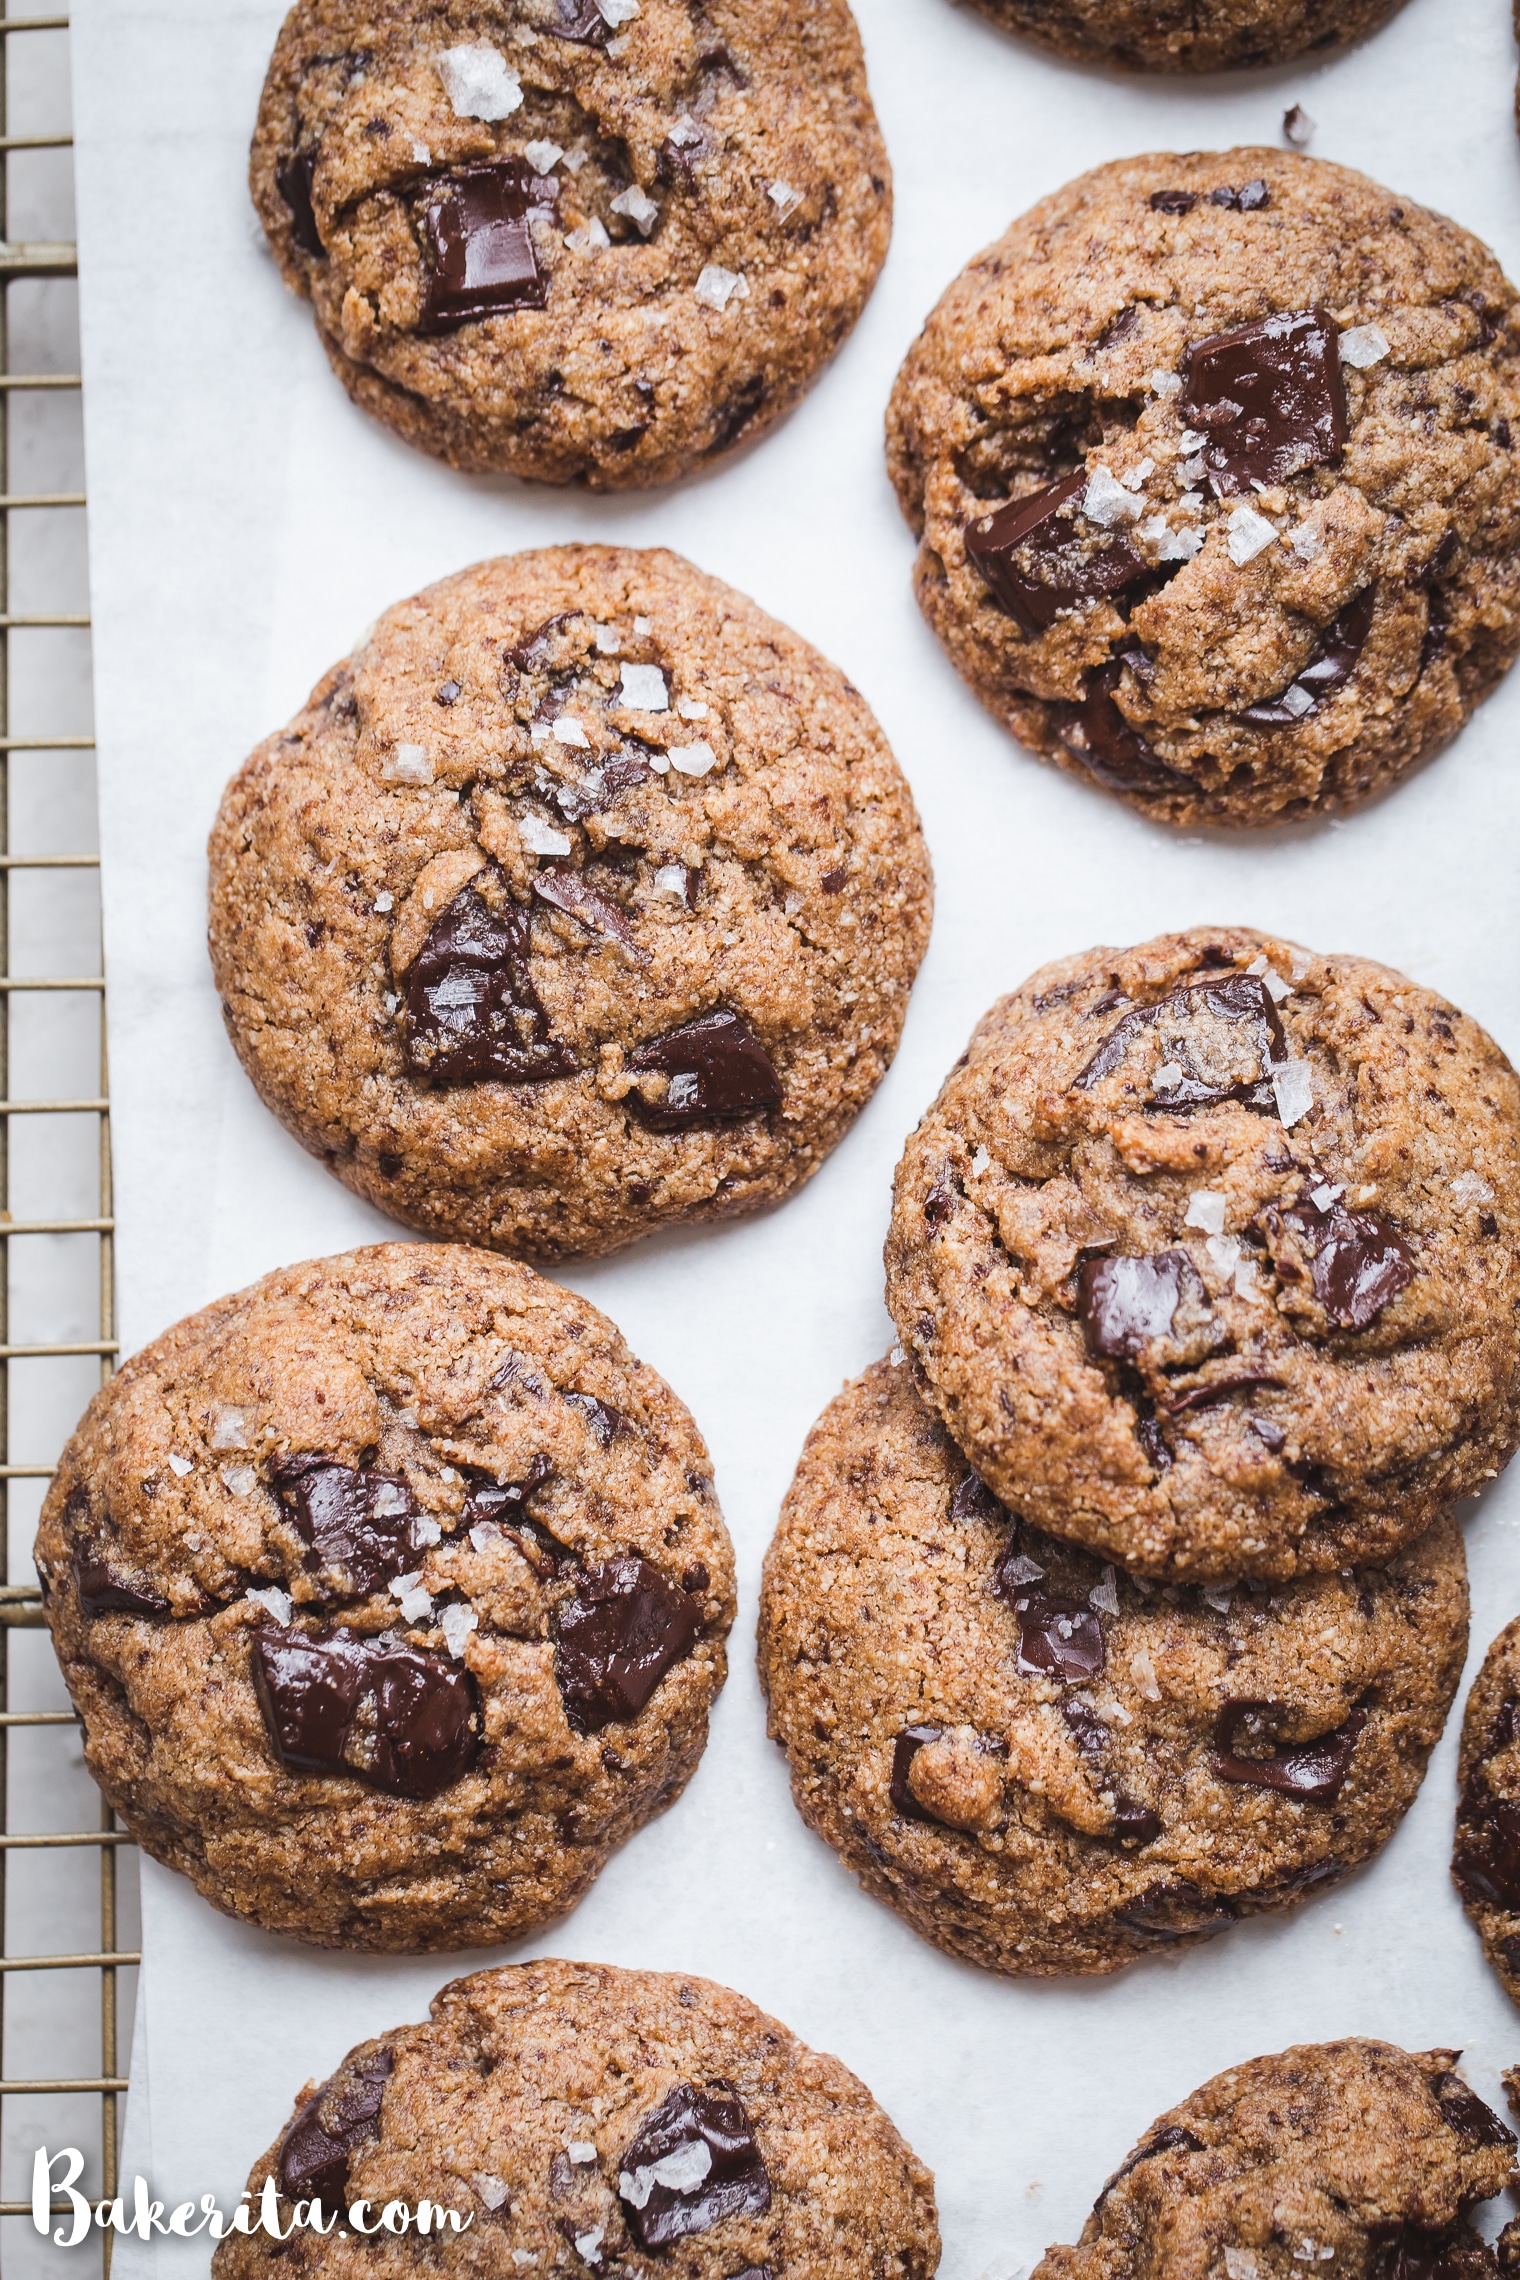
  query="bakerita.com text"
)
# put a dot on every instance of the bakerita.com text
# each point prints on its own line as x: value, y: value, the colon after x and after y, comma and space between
x: 137, y: 2212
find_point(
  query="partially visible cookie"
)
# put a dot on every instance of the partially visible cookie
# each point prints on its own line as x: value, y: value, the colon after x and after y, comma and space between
x: 1207, y: 1255
x: 1354, y: 2154
x: 580, y: 2117
x: 1189, y: 35
x: 583, y: 898
x: 1213, y: 460
x: 392, y: 1595
x: 576, y: 239
x: 1486, y: 1862
x: 1049, y: 1767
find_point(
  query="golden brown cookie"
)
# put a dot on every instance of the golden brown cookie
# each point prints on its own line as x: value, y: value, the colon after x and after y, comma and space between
x: 1207, y: 1255
x: 594, y: 239
x: 603, y: 2121
x: 582, y: 899
x: 1352, y: 2154
x: 1213, y: 461
x: 1049, y: 1767
x: 1486, y: 1861
x: 1189, y: 35
x: 391, y: 1594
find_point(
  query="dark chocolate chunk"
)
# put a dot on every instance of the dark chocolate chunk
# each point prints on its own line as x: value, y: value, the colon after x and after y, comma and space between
x: 581, y: 21
x: 904, y: 1750
x: 1358, y: 1262
x: 314, y: 2153
x: 732, y: 2182
x: 1174, y: 2139
x: 1173, y: 201
x: 1058, y: 1638
x: 624, y: 1626
x: 473, y: 1015
x: 1111, y: 750
x: 1486, y: 1864
x: 104, y: 1591
x: 1134, y: 1822
x: 1270, y: 398
x: 569, y: 892
x: 357, y: 1525
x: 1038, y: 563
x: 941, y: 1200
x: 1190, y: 1020
x: 503, y: 1500
x: 1462, y: 2111
x: 717, y: 1070
x: 292, y: 178
x: 606, y: 1423
x: 1333, y: 663
x: 479, y: 233
x: 1249, y: 199
x: 1151, y: 1435
x: 1408, y: 2252
x: 1220, y: 1389
x: 1316, y: 1770
x: 1088, y: 1730
x: 620, y: 775
x: 1126, y: 1301
x: 1267, y: 1431
x: 1176, y: 1910
x: 974, y: 1500
x: 395, y: 1716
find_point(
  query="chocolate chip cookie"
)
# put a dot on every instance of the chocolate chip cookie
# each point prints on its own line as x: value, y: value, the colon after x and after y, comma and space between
x: 1213, y: 460
x: 583, y: 898
x: 1046, y: 1766
x: 1184, y: 35
x: 1206, y: 1255
x: 636, y: 2122
x: 604, y: 240
x: 1486, y: 1862
x: 392, y: 1594
x: 1355, y: 2154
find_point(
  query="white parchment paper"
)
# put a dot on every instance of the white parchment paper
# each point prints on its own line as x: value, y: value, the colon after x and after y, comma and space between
x: 247, y: 522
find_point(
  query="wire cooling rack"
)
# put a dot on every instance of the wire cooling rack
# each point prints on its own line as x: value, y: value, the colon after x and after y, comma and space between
x: 65, y: 1962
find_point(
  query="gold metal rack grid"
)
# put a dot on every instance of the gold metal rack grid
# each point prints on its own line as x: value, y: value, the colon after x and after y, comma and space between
x: 47, y: 2106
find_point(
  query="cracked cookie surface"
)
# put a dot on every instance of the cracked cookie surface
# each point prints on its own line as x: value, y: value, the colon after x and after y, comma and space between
x: 1047, y: 1767
x: 582, y: 899
x: 1354, y: 2154
x: 1212, y: 460
x: 566, y: 2108
x: 574, y: 241
x: 392, y: 1595
x: 1184, y: 35
x: 1206, y: 1255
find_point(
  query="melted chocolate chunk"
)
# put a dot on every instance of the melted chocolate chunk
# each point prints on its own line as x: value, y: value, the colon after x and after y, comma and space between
x: 395, y: 1716
x: 941, y: 1200
x: 1087, y: 1729
x: 1176, y: 1910
x: 503, y: 1500
x: 1474, y: 2123
x: 102, y: 1591
x: 733, y: 2182
x: 314, y: 2154
x: 1333, y: 663
x: 1486, y: 1864
x: 292, y: 178
x: 1058, y: 1638
x: 1220, y: 1389
x: 1125, y: 1302
x: 1268, y: 1432
x: 473, y: 1015
x: 1408, y: 2252
x: 607, y: 1424
x: 1207, y: 1064
x: 974, y: 1500
x: 1270, y: 398
x: 1174, y: 2139
x: 1135, y: 1823
x: 479, y: 233
x: 1358, y: 1263
x: 1316, y: 1770
x: 569, y: 892
x: 1173, y: 201
x: 904, y: 1750
x: 717, y: 1070
x: 1248, y: 199
x: 357, y: 1525
x: 622, y: 1629
x: 1109, y: 748
x: 1038, y: 563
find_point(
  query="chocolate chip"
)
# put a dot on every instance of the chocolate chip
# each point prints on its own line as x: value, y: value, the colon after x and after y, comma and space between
x: 1252, y: 196
x: 1270, y: 397
x: 473, y: 1015
x: 1206, y: 1063
x: 104, y: 1591
x: 833, y: 881
x: 1408, y: 2252
x: 1173, y: 201
x: 695, y: 1578
x: 568, y: 891
x: 717, y: 1070
x: 1358, y: 1261
x: 735, y: 2182
x: 1486, y: 1863
x: 1173, y: 2139
x: 1058, y: 1638
x: 292, y: 178
x: 1333, y: 663
x: 624, y: 1626
x: 974, y: 1500
x: 1038, y: 563
x: 904, y: 1750
x: 484, y: 260
x: 941, y: 1200
x: 1267, y: 1431
x: 1119, y: 327
x: 532, y: 654
x: 395, y: 1716
x: 1316, y: 1770
x: 620, y: 775
x: 1135, y: 1823
x: 581, y: 21
x: 1220, y: 1389
x: 1153, y: 1441
x: 1474, y: 2123
x: 504, y: 1500
x: 358, y: 1526
x: 1109, y: 748
x: 607, y: 1424
x: 1176, y: 1910
x: 314, y: 2153
x: 1125, y: 1302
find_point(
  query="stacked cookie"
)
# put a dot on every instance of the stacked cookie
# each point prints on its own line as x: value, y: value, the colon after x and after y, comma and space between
x: 1124, y: 1598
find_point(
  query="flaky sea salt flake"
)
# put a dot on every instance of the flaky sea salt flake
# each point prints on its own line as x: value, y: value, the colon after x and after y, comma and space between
x: 591, y: 237
x: 1363, y: 345
x: 981, y: 1162
x: 1143, y: 1671
x: 493, y: 2191
x: 1468, y: 1188
x: 233, y: 1425
x: 406, y: 764
x: 1104, y: 1594
x: 458, y: 1622
x: 239, y: 1480
x: 1166, y: 383
x: 784, y: 197
x: 568, y: 730
x: 479, y: 83
x: 274, y: 1602
x: 717, y: 286
x: 543, y: 157
x: 1206, y: 1210
x: 644, y: 687
x: 1106, y: 501
x: 1293, y: 1086
x: 1249, y: 534
x: 179, y: 1466
x: 640, y: 208
x: 1224, y: 1254
x: 691, y: 759
x: 615, y: 12
x: 581, y: 2152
